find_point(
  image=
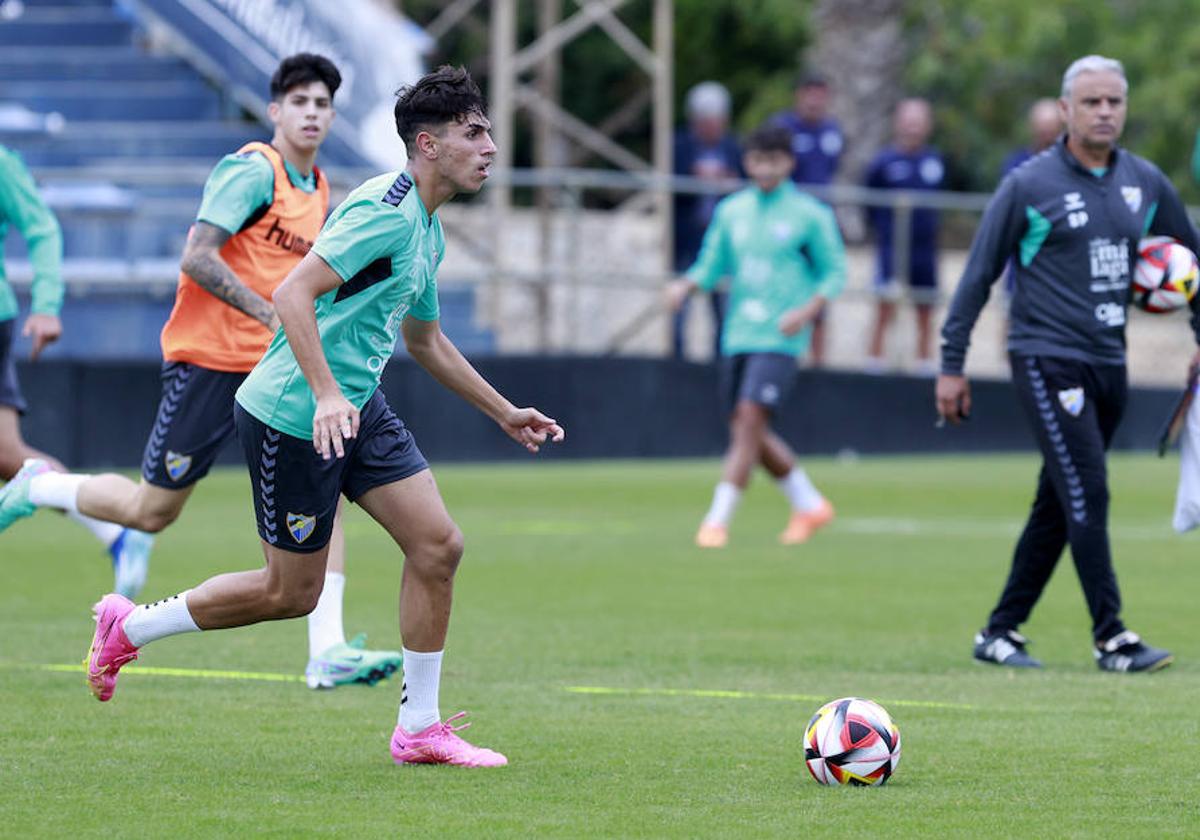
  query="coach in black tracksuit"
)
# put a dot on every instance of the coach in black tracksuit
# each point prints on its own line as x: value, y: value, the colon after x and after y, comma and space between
x: 1070, y: 220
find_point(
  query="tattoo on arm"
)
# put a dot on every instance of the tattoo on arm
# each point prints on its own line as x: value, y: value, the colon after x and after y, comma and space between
x: 202, y: 262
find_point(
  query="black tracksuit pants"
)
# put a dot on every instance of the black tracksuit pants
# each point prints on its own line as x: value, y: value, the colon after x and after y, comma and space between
x: 1074, y: 408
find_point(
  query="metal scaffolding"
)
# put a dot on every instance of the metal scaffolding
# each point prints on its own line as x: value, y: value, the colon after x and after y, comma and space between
x: 524, y: 80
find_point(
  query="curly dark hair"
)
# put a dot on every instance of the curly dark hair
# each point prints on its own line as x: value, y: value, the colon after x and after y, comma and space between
x: 446, y: 95
x: 303, y: 69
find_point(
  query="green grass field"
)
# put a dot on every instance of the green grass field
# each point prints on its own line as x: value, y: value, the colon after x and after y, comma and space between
x: 639, y: 686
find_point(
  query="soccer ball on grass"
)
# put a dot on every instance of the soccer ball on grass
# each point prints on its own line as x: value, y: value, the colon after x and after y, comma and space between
x: 851, y: 741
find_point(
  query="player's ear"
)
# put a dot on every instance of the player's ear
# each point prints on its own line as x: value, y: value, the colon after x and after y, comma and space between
x: 427, y: 145
x: 273, y: 112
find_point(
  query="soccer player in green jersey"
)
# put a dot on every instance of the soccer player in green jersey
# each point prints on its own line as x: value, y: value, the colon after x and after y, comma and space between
x: 22, y: 206
x: 783, y: 253
x: 314, y: 424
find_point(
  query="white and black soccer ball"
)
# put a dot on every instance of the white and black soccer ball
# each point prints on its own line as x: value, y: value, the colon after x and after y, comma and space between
x: 1166, y: 275
x: 851, y: 741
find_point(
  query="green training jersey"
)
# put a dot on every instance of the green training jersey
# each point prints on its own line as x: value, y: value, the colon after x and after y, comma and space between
x: 386, y: 248
x: 240, y: 185
x: 21, y: 205
x: 780, y: 249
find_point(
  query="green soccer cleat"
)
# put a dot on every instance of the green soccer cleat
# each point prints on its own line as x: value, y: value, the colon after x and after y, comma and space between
x: 351, y: 662
x: 14, y: 496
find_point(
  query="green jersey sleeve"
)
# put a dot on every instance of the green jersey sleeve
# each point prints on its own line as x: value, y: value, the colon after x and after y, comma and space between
x: 715, y: 258
x: 358, y: 235
x: 828, y: 255
x: 21, y: 204
x: 237, y: 187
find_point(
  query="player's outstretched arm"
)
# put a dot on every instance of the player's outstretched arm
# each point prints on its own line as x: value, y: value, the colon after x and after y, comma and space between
x: 202, y: 262
x: 336, y: 418
x: 431, y: 349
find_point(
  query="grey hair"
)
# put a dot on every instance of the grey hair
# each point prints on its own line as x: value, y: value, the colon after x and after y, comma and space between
x: 708, y: 99
x: 1091, y: 64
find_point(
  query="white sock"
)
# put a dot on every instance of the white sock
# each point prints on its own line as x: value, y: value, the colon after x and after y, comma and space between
x: 325, y: 621
x: 419, y: 698
x: 57, y: 490
x: 168, y: 617
x: 106, y: 532
x: 800, y: 490
x: 725, y: 501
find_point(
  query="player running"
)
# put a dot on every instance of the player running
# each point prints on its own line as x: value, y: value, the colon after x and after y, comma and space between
x: 784, y: 254
x: 262, y: 209
x: 314, y: 425
x: 21, y: 205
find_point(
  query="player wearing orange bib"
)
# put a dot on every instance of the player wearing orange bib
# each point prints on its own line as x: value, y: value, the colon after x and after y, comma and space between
x: 262, y: 209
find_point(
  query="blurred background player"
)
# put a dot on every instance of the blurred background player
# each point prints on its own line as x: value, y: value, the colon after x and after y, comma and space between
x: 22, y: 206
x: 1045, y: 125
x: 817, y: 143
x: 705, y: 148
x: 785, y: 256
x: 1070, y: 221
x: 262, y: 209
x: 312, y: 415
x: 908, y: 163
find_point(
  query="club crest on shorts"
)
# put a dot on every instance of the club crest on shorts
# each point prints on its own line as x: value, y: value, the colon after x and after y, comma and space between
x: 177, y: 464
x: 1071, y: 399
x: 301, y: 526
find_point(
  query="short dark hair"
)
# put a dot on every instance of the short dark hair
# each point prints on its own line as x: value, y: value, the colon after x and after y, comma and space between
x: 303, y: 69
x: 810, y: 79
x: 446, y: 95
x: 769, y: 138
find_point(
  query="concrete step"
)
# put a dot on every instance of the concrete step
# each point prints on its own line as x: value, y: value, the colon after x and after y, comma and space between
x: 62, y: 26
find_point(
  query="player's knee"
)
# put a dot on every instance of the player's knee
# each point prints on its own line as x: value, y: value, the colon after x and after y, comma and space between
x: 749, y: 418
x: 441, y: 555
x: 297, y: 599
x: 153, y: 520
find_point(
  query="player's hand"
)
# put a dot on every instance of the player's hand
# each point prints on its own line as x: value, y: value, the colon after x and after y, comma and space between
x: 953, y: 398
x: 42, y: 329
x: 334, y: 422
x: 797, y: 319
x: 530, y: 428
x: 676, y: 292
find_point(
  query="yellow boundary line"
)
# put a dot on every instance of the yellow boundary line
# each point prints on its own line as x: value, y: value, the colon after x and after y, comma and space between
x: 191, y: 673
x: 743, y: 695
x: 607, y: 691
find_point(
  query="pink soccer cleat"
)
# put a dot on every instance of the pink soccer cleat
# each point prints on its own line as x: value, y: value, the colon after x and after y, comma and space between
x: 803, y: 524
x: 437, y: 744
x: 111, y: 648
x: 712, y: 536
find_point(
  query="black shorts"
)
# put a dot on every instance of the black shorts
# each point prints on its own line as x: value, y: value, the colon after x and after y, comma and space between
x: 296, y: 490
x: 195, y: 419
x: 10, y: 390
x: 763, y: 378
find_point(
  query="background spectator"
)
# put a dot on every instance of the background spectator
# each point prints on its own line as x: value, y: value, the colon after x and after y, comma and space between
x: 704, y: 148
x: 907, y: 163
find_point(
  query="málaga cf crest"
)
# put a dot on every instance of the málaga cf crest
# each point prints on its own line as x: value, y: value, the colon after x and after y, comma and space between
x: 177, y: 465
x: 301, y: 526
x: 1071, y: 400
